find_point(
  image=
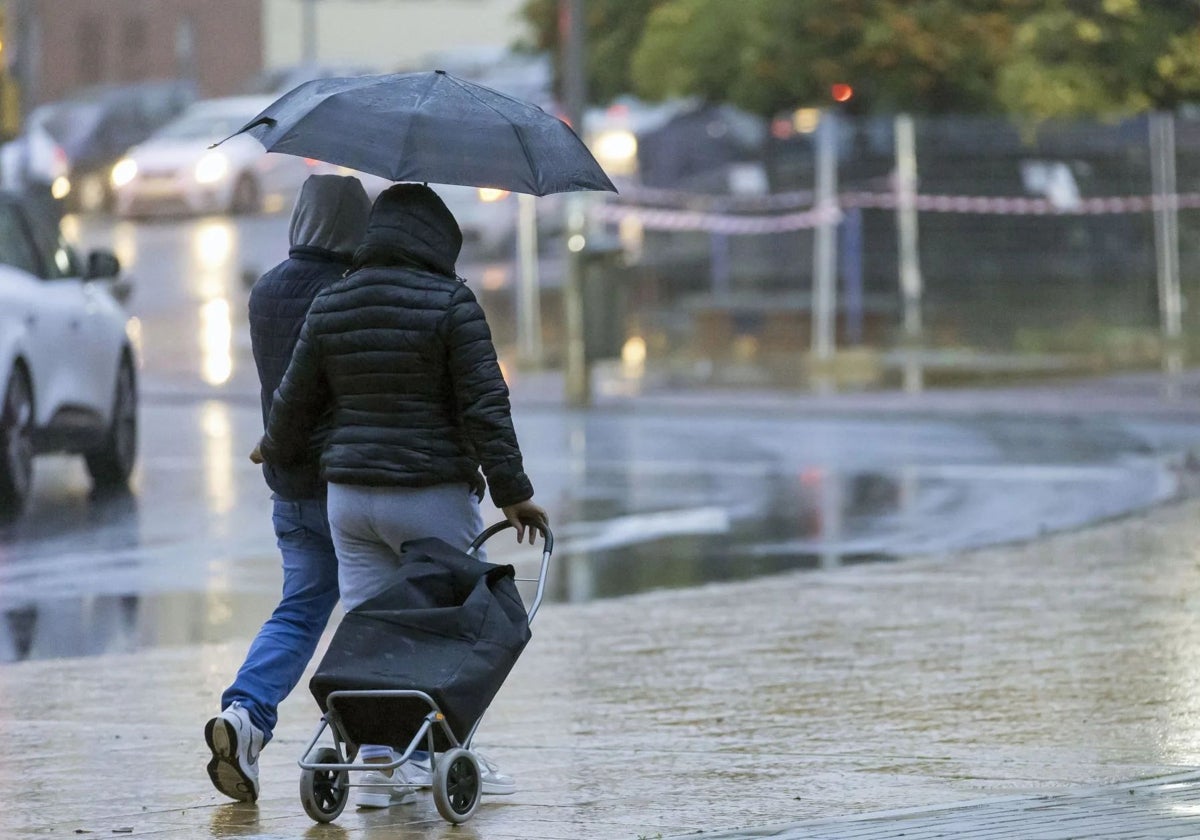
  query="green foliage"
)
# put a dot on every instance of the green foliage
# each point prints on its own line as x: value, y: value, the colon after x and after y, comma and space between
x: 1107, y: 58
x: 614, y: 28
x: 1033, y: 58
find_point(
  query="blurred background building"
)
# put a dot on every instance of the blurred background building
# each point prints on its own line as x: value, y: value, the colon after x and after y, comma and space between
x: 69, y: 45
x: 222, y: 46
x: 386, y: 35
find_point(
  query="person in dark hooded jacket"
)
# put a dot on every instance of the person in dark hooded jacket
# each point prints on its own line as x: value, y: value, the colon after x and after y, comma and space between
x: 328, y: 222
x: 401, y: 349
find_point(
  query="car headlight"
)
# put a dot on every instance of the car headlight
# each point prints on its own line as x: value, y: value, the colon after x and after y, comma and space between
x: 124, y: 171
x: 616, y: 150
x: 212, y: 167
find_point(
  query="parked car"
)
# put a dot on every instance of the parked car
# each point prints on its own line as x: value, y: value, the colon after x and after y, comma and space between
x: 488, y: 218
x: 71, y: 145
x: 279, y: 80
x: 67, y: 365
x: 175, y: 171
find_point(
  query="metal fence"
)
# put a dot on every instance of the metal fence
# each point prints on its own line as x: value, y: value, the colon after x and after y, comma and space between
x: 1048, y: 248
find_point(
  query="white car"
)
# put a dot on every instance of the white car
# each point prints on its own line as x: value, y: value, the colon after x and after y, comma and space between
x: 175, y: 171
x: 67, y: 366
x: 488, y: 218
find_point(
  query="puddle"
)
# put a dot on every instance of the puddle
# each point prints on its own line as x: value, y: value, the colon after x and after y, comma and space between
x: 644, y: 504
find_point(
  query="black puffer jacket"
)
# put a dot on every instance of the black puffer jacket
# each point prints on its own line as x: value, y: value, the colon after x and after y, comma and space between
x: 403, y: 350
x: 328, y: 222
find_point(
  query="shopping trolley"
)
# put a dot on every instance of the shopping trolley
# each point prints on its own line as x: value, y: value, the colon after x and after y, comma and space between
x: 435, y: 707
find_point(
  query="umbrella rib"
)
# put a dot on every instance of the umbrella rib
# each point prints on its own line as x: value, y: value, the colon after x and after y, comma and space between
x: 515, y: 127
x: 416, y: 113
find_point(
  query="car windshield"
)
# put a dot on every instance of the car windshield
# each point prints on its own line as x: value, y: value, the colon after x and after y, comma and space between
x: 69, y: 123
x: 204, y: 126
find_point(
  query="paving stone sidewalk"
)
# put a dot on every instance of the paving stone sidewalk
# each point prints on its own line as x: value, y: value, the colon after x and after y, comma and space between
x: 1154, y: 809
x: 1004, y: 676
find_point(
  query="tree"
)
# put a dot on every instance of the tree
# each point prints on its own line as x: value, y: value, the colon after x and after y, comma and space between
x: 1035, y: 58
x: 1111, y: 58
x: 614, y: 28
x: 935, y: 56
x: 768, y: 55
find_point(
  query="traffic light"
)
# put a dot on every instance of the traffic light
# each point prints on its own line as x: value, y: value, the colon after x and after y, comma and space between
x: 841, y: 92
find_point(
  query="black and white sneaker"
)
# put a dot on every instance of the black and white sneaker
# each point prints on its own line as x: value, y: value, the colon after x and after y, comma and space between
x: 235, y: 743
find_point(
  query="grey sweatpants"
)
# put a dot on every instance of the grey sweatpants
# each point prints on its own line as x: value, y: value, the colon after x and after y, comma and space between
x: 369, y: 524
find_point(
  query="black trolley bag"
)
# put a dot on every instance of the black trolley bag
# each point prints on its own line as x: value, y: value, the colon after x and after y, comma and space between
x: 452, y: 626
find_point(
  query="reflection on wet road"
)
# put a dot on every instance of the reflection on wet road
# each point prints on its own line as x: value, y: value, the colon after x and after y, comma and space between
x: 639, y: 499
x: 676, y: 500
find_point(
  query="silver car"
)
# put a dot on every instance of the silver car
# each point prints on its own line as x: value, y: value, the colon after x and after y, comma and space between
x: 176, y: 171
x: 67, y: 365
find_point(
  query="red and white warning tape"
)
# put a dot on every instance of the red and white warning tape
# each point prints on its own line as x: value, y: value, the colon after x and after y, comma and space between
x: 675, y: 220
x: 748, y: 225
x: 705, y: 202
x: 1017, y: 206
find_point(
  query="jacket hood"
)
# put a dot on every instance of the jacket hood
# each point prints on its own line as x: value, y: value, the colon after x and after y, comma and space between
x: 331, y: 214
x: 411, y: 225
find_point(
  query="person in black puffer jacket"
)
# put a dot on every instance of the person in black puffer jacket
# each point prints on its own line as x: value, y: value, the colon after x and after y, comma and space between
x: 327, y: 225
x: 402, y: 350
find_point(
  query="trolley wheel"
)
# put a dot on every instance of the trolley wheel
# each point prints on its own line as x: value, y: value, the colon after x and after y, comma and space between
x: 457, y: 784
x: 324, y: 793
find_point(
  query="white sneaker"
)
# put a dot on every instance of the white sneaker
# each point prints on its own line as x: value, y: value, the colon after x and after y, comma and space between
x: 419, y: 772
x: 494, y: 782
x: 383, y: 791
x: 235, y: 743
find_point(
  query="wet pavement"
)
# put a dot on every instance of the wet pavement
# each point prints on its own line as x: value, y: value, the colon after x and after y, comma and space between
x: 1008, y: 692
x: 1049, y: 688
x: 646, y: 494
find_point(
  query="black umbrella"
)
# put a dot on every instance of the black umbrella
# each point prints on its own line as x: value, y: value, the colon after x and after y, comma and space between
x: 429, y: 127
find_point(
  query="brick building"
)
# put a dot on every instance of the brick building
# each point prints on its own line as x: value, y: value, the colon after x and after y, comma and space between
x: 55, y: 47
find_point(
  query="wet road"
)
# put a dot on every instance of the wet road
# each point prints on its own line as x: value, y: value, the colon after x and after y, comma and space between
x: 641, y: 499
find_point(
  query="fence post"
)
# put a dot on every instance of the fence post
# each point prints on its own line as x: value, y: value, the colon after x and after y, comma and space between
x: 824, y: 295
x: 911, y: 286
x: 1166, y: 245
x: 529, y: 304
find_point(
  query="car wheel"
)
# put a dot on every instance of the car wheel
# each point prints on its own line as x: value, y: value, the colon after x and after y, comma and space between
x: 111, y: 464
x: 16, y: 445
x: 245, y: 196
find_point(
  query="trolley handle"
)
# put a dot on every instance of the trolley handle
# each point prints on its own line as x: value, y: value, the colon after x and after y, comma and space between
x: 547, y: 535
x: 548, y: 547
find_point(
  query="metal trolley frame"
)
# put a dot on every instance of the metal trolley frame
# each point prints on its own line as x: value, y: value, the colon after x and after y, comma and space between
x: 457, y: 780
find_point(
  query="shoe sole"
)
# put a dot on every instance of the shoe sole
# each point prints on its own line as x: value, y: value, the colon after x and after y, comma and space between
x: 490, y: 789
x: 383, y: 800
x: 224, y: 771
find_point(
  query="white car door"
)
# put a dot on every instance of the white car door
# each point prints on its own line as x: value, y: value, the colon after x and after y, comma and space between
x: 95, y: 329
x: 49, y: 318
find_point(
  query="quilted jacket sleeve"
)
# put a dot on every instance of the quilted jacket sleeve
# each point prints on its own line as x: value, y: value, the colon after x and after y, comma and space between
x: 299, y: 402
x: 481, y: 397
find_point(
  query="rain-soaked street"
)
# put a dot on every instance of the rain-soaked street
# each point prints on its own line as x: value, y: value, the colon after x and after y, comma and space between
x: 640, y: 498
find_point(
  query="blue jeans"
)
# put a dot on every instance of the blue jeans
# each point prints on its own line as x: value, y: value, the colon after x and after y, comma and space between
x: 281, y: 650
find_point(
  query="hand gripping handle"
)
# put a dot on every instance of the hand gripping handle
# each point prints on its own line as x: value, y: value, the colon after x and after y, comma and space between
x: 490, y: 532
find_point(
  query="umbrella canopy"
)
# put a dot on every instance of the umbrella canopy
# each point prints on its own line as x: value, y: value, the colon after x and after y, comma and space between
x: 429, y: 127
